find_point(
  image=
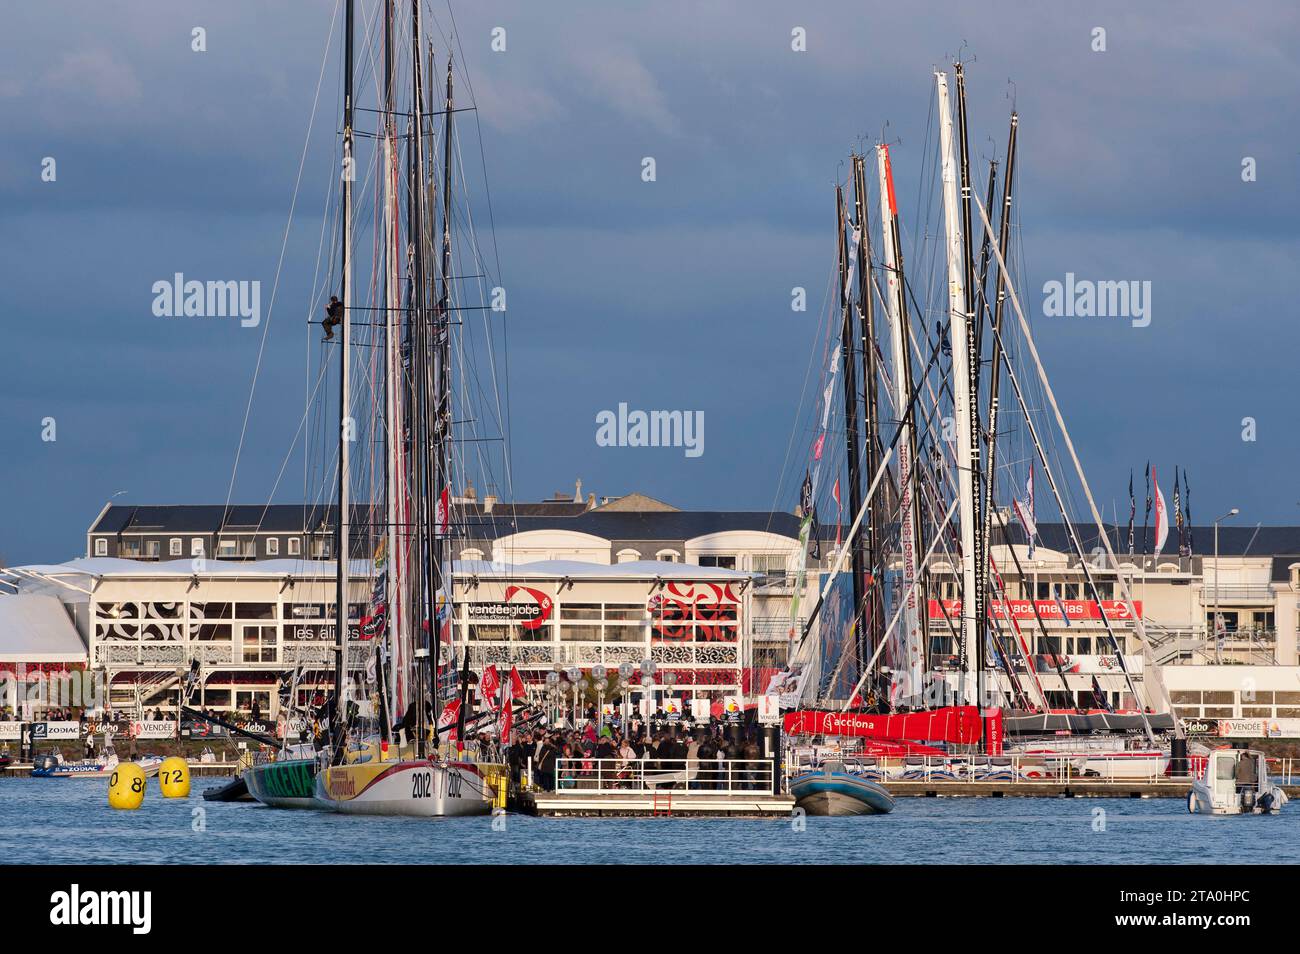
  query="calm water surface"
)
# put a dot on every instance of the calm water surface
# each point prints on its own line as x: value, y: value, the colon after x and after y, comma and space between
x: 45, y: 821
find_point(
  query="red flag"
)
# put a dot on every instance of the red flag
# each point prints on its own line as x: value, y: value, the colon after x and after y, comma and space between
x: 448, y: 718
x: 489, y: 686
x: 442, y: 511
x: 517, y: 690
x: 506, y: 722
x: 817, y: 447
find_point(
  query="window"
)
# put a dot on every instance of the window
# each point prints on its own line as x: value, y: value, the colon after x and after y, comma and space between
x: 226, y: 548
x: 244, y: 699
x: 255, y: 611
x: 628, y: 556
x: 196, y: 546
x: 259, y: 644
x: 295, y: 546
x: 101, y: 546
x: 153, y: 549
x: 669, y: 556
x: 471, y: 554
x: 720, y: 560
x: 320, y: 548
x: 176, y: 547
x: 272, y: 546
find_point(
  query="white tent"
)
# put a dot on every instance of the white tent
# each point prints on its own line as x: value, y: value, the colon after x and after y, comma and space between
x: 38, y: 629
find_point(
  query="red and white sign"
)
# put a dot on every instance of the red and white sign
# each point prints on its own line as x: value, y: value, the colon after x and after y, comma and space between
x: 1049, y: 610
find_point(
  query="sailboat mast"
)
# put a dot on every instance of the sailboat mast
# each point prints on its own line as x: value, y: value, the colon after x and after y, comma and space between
x: 963, y: 411
x: 345, y: 423
x: 973, y: 367
x: 873, y: 616
x: 850, y: 415
x: 910, y: 684
x: 425, y: 509
x: 392, y: 570
x: 1004, y: 231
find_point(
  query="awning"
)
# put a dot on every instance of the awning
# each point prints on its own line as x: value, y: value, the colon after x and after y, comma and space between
x: 38, y: 629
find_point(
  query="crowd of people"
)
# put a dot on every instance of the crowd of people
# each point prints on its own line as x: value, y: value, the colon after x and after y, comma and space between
x: 705, y: 756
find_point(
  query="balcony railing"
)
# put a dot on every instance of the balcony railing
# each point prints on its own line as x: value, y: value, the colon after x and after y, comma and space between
x: 1236, y: 593
x: 645, y: 776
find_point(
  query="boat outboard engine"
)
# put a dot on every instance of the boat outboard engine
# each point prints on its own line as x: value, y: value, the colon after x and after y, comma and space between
x: 1265, y: 802
x: 1247, y: 799
x: 44, y: 763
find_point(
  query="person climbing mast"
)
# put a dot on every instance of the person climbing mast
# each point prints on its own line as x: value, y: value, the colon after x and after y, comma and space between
x: 333, y: 316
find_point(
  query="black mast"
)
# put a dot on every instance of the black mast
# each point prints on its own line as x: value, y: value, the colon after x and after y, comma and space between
x: 973, y: 362
x: 341, y: 523
x: 851, y: 435
x: 1004, y: 232
x: 872, y: 625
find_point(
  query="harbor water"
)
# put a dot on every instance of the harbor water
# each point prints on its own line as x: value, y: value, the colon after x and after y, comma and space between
x: 64, y: 821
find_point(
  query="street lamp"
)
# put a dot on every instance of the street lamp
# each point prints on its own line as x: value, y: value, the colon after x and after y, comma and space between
x: 1231, y: 513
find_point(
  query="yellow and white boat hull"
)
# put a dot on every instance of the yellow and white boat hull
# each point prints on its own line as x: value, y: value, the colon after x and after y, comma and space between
x: 424, y: 788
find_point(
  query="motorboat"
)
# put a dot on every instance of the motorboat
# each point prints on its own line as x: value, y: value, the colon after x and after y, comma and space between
x: 1235, y: 782
x: 55, y: 766
x: 831, y: 789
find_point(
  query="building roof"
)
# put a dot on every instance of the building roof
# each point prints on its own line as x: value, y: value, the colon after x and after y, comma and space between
x: 36, y: 628
x: 635, y: 517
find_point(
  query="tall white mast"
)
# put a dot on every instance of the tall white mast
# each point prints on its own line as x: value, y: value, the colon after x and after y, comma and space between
x: 909, y: 685
x: 961, y: 378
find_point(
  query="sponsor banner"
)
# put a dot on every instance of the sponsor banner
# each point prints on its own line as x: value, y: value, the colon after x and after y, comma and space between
x: 959, y: 724
x: 1049, y: 610
x: 733, y: 708
x: 1244, y: 728
x: 769, y: 710
x: 56, y: 730
x: 1086, y: 665
x: 319, y: 632
x: 11, y: 731
x: 701, y: 709
x: 154, y: 729
x: 530, y: 612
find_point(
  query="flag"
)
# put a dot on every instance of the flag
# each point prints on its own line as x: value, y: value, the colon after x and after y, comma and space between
x: 805, y: 494
x: 1100, y: 697
x: 449, y: 717
x: 489, y: 686
x: 815, y: 545
x: 1025, y: 511
x: 1060, y: 604
x: 1178, y: 512
x: 1162, y: 515
x: 839, y: 511
x: 1187, y: 510
x: 517, y: 690
x: 1132, y: 511
x: 817, y: 447
x: 443, y: 508
x: 506, y: 722
x: 1146, y: 520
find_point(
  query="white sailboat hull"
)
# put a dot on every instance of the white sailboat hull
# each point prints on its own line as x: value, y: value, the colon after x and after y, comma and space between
x: 419, y: 788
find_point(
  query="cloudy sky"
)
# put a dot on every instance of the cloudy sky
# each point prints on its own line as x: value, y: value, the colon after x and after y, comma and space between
x: 673, y: 294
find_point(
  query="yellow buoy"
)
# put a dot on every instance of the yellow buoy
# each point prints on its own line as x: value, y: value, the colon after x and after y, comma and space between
x: 126, y: 786
x: 174, y: 777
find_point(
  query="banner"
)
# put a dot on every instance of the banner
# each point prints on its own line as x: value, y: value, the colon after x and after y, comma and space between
x: 154, y: 729
x: 769, y: 710
x: 11, y: 731
x: 959, y: 724
x: 1049, y: 610
x: 55, y: 731
x: 1244, y: 728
